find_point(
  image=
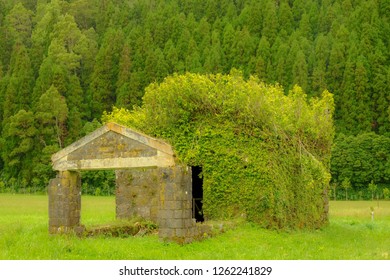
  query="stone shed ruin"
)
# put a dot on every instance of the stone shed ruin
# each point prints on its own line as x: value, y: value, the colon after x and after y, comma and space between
x: 149, y: 182
x: 263, y: 157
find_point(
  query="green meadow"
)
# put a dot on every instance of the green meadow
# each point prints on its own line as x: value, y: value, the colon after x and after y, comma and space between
x: 350, y: 235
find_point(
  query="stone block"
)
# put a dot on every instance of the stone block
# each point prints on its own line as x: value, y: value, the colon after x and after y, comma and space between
x: 163, y: 223
x: 187, y: 214
x: 167, y: 214
x: 176, y: 223
x: 180, y: 232
x: 167, y: 233
x: 178, y: 204
x: 169, y: 205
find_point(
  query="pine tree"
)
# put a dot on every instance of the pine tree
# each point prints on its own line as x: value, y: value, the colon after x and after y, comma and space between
x: 270, y: 23
x: 18, y: 147
x: 305, y: 27
x: 363, y: 95
x: 84, y: 12
x: 17, y: 90
x: 298, y: 9
x: 202, y: 37
x: 285, y: 16
x: 51, y: 115
x: 337, y: 59
x: 300, y: 71
x: 41, y: 33
x: 124, y: 77
x: 61, y: 65
x: 3, y: 83
x: 281, y: 74
x: 263, y: 55
x: 161, y: 66
x: 213, y: 63
x: 17, y: 28
x: 244, y: 48
x: 105, y: 73
x: 18, y: 24
x: 381, y: 99
x: 192, y: 59
x: 172, y: 57
x: 227, y: 46
x: 321, y: 60
x: 183, y: 44
x: 252, y: 17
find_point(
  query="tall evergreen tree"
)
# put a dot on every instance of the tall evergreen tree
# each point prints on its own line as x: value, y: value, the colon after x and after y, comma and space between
x: 18, y: 87
x: 364, y: 121
x: 41, y: 33
x: 227, y: 46
x: 172, y: 57
x: 321, y: 60
x: 380, y: 90
x: 105, y: 73
x: 263, y: 55
x: 213, y: 63
x: 18, y: 144
x: 300, y: 71
x: 51, y: 115
x: 244, y: 48
x: 285, y: 16
x: 270, y: 22
x: 17, y: 28
x: 337, y: 59
x: 124, y: 77
x: 192, y: 59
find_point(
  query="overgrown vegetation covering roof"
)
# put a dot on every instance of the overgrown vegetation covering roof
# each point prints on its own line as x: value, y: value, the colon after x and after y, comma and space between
x: 265, y: 155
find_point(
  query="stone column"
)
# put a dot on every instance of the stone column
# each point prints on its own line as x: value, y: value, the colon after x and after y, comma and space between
x: 175, y: 215
x: 64, y: 202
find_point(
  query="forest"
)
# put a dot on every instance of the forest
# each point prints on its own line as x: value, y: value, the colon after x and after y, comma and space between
x: 64, y: 63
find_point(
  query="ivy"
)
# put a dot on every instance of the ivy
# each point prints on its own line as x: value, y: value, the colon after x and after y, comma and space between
x: 265, y: 155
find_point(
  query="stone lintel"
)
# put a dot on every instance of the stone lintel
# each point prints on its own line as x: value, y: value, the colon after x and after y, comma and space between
x: 161, y: 160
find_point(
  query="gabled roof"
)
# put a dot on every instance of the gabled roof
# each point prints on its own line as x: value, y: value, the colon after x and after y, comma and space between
x: 113, y: 146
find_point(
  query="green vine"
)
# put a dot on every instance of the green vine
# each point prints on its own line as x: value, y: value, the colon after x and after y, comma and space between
x: 265, y: 155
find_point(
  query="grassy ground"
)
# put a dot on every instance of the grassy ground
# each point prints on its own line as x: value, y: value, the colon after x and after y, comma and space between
x: 351, y: 235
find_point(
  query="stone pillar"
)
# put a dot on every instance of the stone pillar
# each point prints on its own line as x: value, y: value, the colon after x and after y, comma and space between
x: 175, y: 215
x: 64, y: 202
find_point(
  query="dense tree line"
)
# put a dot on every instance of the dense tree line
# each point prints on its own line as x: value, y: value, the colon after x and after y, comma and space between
x: 62, y: 63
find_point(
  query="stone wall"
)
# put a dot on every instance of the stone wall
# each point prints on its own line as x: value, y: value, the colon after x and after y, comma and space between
x: 137, y: 193
x: 64, y: 202
x: 176, y: 222
x: 162, y: 195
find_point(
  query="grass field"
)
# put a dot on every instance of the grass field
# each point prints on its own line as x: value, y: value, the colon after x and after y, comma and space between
x: 351, y: 235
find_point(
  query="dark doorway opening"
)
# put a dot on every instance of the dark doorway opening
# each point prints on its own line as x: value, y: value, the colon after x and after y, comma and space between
x: 197, y: 193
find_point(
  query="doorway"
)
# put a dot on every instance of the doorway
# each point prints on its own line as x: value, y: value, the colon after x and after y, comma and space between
x: 197, y: 193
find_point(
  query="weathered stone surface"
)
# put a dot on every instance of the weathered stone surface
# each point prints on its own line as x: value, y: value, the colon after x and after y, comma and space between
x: 113, y: 147
x: 64, y: 202
x: 137, y: 193
x: 149, y: 183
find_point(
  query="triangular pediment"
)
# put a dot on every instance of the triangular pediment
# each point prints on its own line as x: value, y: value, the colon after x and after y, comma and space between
x: 112, y: 147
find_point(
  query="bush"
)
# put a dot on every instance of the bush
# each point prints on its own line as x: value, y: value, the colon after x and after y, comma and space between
x: 98, y: 183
